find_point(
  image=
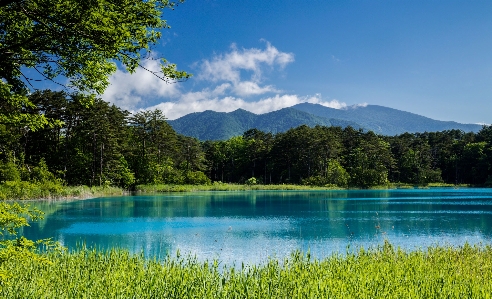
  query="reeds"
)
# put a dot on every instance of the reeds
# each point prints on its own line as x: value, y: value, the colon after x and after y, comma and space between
x: 163, y: 188
x: 21, y: 190
x: 223, y: 187
x: 384, y: 272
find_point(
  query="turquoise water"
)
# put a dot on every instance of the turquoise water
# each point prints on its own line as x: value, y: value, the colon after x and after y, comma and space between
x: 251, y: 226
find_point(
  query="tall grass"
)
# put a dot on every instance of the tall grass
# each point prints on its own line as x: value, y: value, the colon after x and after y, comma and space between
x: 238, y: 187
x: 223, y: 187
x: 385, y: 272
x: 22, y: 190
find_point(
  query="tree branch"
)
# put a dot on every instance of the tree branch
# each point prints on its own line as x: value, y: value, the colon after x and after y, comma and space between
x: 8, y: 2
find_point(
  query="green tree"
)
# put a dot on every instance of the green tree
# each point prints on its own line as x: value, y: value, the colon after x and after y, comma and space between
x: 77, y: 40
x: 475, y: 163
x: 153, y: 147
x: 259, y: 145
x: 369, y: 162
x: 334, y: 174
x: 80, y: 41
x: 215, y: 159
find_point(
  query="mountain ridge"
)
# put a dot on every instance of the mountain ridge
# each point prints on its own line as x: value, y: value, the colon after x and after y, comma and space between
x: 384, y: 120
x: 212, y: 125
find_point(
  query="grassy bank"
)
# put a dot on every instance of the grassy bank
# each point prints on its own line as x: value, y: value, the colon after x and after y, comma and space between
x: 223, y: 187
x: 20, y: 190
x: 238, y: 187
x: 438, y: 272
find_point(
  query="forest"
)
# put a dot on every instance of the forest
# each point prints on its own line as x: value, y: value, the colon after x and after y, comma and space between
x: 103, y: 145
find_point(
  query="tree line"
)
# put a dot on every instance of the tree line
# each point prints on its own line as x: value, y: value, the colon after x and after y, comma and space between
x: 101, y: 144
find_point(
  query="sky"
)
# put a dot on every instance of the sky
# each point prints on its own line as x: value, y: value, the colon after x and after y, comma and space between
x: 432, y: 58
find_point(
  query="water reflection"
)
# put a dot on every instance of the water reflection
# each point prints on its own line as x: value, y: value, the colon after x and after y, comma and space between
x: 251, y: 226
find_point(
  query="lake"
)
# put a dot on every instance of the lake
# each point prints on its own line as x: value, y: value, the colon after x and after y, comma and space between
x: 252, y: 226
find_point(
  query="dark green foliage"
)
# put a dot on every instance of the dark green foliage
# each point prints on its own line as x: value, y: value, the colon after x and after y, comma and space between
x: 211, y: 125
x: 99, y: 145
x: 335, y: 175
x: 348, y: 157
x: 196, y: 178
x: 103, y: 145
x: 40, y: 173
x: 9, y: 171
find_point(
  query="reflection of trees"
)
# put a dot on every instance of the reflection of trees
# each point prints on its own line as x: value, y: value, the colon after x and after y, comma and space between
x: 318, y: 214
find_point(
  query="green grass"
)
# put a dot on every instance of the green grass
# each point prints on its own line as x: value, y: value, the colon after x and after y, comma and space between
x: 15, y: 190
x: 448, y: 185
x: 413, y: 186
x: 385, y: 272
x: 238, y: 187
x: 223, y: 187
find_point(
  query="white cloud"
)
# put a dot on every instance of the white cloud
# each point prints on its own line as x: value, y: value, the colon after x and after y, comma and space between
x: 228, y: 68
x: 247, y: 88
x: 362, y: 105
x: 204, y: 94
x: 227, y: 92
x: 129, y: 91
x: 335, y: 104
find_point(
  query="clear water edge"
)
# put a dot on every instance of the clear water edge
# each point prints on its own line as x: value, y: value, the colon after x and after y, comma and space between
x: 252, y: 226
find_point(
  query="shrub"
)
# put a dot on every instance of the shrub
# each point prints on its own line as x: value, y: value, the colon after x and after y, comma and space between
x: 196, y: 178
x: 9, y: 171
x: 251, y: 181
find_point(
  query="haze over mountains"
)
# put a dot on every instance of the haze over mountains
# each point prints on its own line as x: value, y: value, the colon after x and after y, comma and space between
x: 211, y: 125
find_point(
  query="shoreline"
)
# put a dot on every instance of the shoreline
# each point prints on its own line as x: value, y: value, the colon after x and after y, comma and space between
x: 38, y: 192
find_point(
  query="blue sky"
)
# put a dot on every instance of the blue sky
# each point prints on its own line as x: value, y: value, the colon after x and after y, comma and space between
x: 432, y: 58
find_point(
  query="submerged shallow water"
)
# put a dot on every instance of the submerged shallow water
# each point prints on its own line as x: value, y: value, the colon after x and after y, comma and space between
x: 251, y: 226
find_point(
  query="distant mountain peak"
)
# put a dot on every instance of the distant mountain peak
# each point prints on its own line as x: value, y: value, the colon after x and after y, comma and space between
x: 211, y: 125
x: 241, y: 110
x: 386, y: 121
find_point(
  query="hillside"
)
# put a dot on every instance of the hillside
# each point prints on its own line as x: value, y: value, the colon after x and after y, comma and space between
x: 211, y: 125
x: 384, y: 120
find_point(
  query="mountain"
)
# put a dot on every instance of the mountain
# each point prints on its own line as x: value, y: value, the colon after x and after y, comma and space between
x: 384, y: 120
x: 211, y: 125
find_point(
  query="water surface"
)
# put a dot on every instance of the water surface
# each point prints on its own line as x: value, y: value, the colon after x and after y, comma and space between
x: 251, y: 226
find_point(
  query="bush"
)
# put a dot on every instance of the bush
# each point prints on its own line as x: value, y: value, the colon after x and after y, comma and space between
x: 9, y: 171
x: 40, y: 173
x: 251, y: 181
x: 196, y: 178
x: 336, y: 175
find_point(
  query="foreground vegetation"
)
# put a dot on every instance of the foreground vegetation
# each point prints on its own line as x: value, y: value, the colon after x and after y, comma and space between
x: 385, y: 272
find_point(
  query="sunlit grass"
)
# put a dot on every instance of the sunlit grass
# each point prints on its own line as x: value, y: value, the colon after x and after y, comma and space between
x: 241, y: 187
x: 448, y: 185
x: 50, y: 190
x: 224, y: 187
x: 20, y: 190
x: 385, y: 272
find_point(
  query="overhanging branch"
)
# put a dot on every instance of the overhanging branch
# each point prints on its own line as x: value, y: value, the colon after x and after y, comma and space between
x: 7, y: 2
